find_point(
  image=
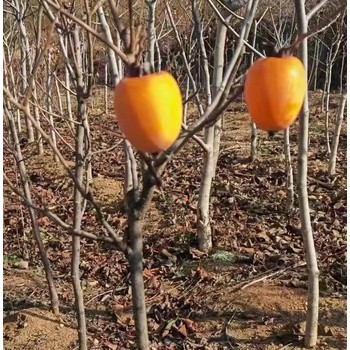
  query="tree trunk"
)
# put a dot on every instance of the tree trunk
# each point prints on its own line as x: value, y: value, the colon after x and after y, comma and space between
x: 59, y: 97
x: 130, y: 177
x: 67, y: 81
x: 151, y: 32
x: 335, y: 141
x: 319, y: 56
x: 35, y: 227
x: 204, y: 235
x: 323, y: 100
x: 26, y: 62
x: 254, y: 131
x: 135, y: 255
x: 106, y: 88
x: 187, y: 92
x: 341, y: 77
x: 332, y: 56
x: 253, y: 141
x: 289, y: 171
x: 39, y: 139
x: 212, y: 135
x: 49, y: 100
x: 112, y: 59
x: 314, y: 59
x: 78, y: 208
x: 328, y: 92
x: 311, y: 258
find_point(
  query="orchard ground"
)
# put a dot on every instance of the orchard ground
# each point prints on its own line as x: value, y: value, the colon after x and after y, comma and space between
x: 249, y: 293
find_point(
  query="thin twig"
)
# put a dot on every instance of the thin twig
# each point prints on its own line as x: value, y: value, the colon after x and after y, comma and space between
x: 319, y: 28
x: 197, y: 139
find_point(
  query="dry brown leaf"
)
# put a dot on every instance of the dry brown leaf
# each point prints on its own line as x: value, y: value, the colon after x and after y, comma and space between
x: 262, y: 236
x: 182, y: 330
x: 190, y: 325
x: 118, y: 308
x: 197, y: 254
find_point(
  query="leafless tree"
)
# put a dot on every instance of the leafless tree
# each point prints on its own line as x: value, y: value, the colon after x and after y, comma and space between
x: 127, y: 49
x: 13, y: 141
x: 331, y: 57
x: 254, y: 131
x: 212, y: 134
x: 311, y: 258
x: 19, y: 159
x: 335, y: 140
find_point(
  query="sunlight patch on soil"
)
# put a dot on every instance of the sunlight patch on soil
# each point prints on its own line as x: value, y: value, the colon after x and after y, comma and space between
x: 107, y: 191
x: 46, y: 166
x: 274, y: 315
x: 35, y: 329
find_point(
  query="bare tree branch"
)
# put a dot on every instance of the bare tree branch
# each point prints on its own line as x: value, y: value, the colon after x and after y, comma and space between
x: 315, y: 9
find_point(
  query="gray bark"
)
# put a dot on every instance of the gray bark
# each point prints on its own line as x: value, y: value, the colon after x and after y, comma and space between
x: 49, y: 99
x: 78, y: 208
x: 318, y: 55
x: 310, y: 252
x: 26, y: 59
x: 213, y: 133
x: 151, y: 32
x: 343, y: 59
x: 111, y: 54
x: 64, y: 44
x: 289, y: 171
x: 130, y: 179
x: 212, y: 140
x: 332, y: 56
x: 254, y: 131
x: 33, y: 218
x: 204, y: 235
x: 106, y: 88
x: 135, y: 255
x: 187, y: 92
x: 335, y: 141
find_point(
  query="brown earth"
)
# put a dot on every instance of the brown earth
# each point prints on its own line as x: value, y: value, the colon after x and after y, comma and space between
x: 263, y: 316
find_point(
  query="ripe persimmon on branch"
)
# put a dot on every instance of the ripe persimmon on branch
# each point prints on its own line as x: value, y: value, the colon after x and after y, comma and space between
x: 134, y: 43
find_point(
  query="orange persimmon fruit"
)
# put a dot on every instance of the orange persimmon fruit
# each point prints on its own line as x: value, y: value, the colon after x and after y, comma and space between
x: 274, y: 91
x: 149, y: 111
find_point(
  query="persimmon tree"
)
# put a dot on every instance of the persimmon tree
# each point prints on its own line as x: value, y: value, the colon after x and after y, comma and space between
x: 139, y: 197
x: 311, y: 258
x: 13, y: 122
x: 212, y: 133
x: 13, y: 146
x: 279, y: 74
x: 332, y: 55
x: 336, y: 135
x: 254, y: 131
x: 125, y: 51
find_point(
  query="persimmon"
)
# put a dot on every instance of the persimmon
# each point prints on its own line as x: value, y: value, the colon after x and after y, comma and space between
x: 274, y: 91
x: 149, y: 111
